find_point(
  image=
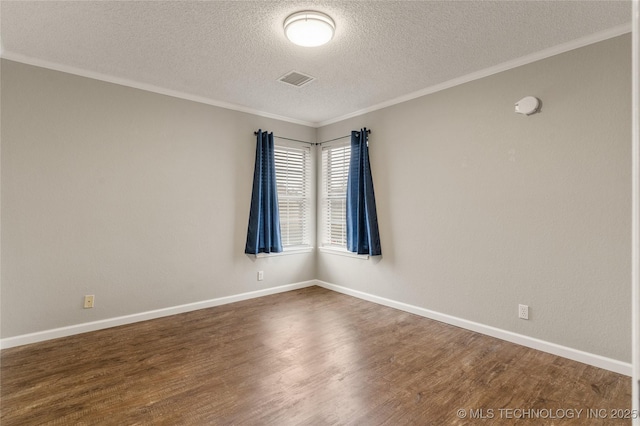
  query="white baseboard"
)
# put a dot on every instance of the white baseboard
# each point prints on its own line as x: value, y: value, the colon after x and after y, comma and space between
x: 541, y: 345
x: 530, y: 342
x: 55, y: 333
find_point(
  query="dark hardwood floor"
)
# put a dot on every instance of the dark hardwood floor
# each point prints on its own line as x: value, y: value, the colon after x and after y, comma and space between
x: 306, y: 357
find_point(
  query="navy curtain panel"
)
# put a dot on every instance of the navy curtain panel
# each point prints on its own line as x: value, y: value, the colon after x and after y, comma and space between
x: 362, y: 220
x: 263, y: 233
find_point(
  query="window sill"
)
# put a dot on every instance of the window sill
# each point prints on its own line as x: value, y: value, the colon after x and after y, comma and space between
x: 343, y: 252
x: 286, y: 252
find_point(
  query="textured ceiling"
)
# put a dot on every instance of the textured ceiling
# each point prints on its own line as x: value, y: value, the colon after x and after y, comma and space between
x: 234, y: 51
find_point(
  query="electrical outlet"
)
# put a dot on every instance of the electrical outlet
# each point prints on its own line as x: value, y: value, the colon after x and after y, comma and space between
x: 88, y: 301
x: 523, y: 312
x: 260, y: 275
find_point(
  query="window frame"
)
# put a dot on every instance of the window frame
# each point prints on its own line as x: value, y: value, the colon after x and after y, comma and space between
x: 306, y: 174
x: 328, y: 192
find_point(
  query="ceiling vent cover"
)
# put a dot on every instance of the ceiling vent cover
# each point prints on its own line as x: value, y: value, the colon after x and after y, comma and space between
x: 296, y: 78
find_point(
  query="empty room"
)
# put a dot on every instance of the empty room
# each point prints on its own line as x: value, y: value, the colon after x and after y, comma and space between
x: 318, y: 213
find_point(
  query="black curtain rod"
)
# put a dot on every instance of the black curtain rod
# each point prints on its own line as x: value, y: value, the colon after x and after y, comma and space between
x: 289, y: 139
x: 312, y: 143
x: 341, y: 137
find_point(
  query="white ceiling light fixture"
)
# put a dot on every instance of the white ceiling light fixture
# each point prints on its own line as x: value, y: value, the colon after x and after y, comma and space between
x: 309, y: 28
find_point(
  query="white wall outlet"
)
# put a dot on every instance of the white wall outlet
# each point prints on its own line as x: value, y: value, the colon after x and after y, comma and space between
x: 523, y: 312
x: 260, y: 275
x: 88, y: 301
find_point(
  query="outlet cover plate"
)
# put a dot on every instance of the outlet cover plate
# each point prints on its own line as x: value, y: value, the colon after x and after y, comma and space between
x: 523, y: 312
x: 89, y: 301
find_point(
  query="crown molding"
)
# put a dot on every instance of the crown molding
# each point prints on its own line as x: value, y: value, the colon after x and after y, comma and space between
x: 16, y: 57
x: 505, y: 66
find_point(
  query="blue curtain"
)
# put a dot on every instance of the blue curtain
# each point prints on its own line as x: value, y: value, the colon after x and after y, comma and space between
x: 362, y: 220
x: 263, y: 234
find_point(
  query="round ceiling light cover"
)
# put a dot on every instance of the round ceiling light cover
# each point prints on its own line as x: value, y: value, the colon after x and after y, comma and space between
x: 309, y: 28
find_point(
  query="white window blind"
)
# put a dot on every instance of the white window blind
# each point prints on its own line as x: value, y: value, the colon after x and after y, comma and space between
x: 293, y: 178
x: 335, y: 171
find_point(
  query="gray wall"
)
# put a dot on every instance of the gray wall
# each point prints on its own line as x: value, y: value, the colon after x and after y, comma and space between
x: 138, y: 198
x: 142, y: 200
x: 481, y: 209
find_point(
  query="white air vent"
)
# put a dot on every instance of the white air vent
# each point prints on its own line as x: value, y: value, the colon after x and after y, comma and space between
x: 296, y: 78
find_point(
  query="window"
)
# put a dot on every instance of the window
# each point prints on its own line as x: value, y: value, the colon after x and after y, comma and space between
x: 335, y: 172
x: 293, y: 179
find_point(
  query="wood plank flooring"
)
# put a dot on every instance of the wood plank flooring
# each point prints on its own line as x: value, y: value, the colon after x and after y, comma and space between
x: 306, y: 357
